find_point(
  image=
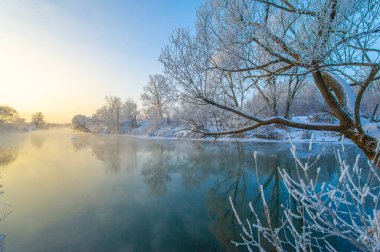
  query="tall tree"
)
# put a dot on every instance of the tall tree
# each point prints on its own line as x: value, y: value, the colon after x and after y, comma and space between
x: 333, y: 43
x: 130, y: 111
x: 157, y: 96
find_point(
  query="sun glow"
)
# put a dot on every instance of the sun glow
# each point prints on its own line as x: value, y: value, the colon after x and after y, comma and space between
x: 38, y: 79
x: 63, y: 57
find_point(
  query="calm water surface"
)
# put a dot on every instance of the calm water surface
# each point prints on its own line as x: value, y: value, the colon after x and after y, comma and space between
x: 70, y: 191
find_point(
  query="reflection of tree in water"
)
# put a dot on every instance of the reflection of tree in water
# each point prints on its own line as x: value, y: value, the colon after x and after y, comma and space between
x: 4, y: 211
x: 109, y: 153
x: 197, y: 165
x: 227, y: 172
x: 231, y: 171
x: 165, y: 159
x: 231, y: 174
x: 111, y: 150
x: 232, y: 179
x: 37, y: 141
x: 8, y: 155
x: 156, y: 170
x: 237, y: 179
x: 225, y: 227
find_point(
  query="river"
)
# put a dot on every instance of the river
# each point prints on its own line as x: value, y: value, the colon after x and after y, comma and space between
x: 72, y: 191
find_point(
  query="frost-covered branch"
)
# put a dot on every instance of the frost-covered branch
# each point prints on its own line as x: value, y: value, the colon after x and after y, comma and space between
x: 346, y: 208
x: 267, y: 121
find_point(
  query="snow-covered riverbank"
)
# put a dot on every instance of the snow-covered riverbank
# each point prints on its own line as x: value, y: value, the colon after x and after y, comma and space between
x: 152, y: 130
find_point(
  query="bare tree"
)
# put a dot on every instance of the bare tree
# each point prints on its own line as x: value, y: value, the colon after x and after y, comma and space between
x: 38, y: 120
x: 8, y: 114
x: 157, y: 96
x: 330, y: 42
x: 82, y: 123
x: 130, y: 111
x: 110, y: 114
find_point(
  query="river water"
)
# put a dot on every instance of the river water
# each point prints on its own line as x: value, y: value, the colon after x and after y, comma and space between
x: 71, y: 191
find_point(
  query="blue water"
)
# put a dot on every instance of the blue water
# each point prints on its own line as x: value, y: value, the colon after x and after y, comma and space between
x: 70, y: 191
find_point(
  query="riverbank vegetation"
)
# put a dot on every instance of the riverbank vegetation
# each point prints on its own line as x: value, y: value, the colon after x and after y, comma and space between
x: 10, y: 121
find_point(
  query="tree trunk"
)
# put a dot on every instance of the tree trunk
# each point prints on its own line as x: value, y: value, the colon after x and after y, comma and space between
x: 134, y: 121
x: 160, y: 114
x: 365, y: 143
x: 344, y: 119
x: 117, y: 123
x: 289, y: 99
x: 274, y: 108
x: 287, y: 108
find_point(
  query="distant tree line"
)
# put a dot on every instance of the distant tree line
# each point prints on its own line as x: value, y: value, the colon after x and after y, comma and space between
x: 10, y: 119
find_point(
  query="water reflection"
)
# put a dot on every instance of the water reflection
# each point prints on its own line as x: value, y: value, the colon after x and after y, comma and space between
x: 9, y: 148
x: 156, y: 170
x: 222, y: 169
x: 111, y: 150
x: 37, y: 141
x: 117, y: 193
x: 8, y: 155
x: 9, y: 152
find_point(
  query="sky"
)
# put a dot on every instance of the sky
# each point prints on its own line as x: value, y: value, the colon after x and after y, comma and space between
x: 62, y: 58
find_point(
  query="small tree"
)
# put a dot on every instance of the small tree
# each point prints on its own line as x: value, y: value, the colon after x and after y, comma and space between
x: 38, y: 120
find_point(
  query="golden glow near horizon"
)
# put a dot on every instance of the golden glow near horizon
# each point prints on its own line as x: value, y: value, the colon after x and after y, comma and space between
x: 52, y: 62
x: 62, y: 58
x: 34, y: 79
x: 38, y: 72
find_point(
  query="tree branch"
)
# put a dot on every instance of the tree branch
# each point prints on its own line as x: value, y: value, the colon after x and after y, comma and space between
x: 233, y: 110
x: 290, y: 9
x: 276, y: 120
x: 360, y: 94
x: 263, y: 122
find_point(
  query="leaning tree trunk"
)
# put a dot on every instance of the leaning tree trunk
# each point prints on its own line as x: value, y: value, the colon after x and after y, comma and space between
x: 348, y: 127
x: 365, y: 143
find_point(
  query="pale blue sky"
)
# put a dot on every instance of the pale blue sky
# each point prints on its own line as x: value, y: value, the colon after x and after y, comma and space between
x: 63, y: 57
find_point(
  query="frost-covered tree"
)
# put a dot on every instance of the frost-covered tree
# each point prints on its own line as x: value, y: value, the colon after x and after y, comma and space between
x: 130, y: 112
x: 332, y: 43
x: 157, y: 97
x: 38, y: 120
x: 83, y: 123
x: 110, y: 114
x: 191, y: 76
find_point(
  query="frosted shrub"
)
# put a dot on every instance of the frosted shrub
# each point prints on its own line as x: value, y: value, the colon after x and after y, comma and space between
x: 317, y: 211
